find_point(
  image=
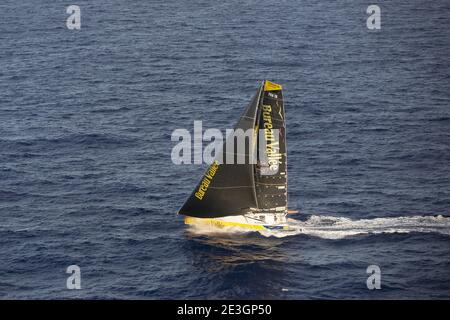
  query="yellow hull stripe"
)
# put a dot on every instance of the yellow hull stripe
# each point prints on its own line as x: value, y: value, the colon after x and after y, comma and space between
x: 221, y: 223
x: 271, y: 86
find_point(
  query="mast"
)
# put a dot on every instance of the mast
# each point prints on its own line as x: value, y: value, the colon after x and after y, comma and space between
x: 256, y: 134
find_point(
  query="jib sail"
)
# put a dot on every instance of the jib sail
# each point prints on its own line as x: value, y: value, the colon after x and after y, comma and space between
x: 227, y: 188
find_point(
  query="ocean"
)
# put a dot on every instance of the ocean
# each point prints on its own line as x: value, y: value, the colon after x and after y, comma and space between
x: 86, y: 176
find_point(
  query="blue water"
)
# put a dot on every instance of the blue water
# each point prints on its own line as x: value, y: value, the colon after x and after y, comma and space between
x: 86, y: 117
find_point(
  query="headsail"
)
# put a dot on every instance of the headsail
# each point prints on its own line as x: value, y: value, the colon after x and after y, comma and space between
x: 227, y: 189
x: 236, y: 189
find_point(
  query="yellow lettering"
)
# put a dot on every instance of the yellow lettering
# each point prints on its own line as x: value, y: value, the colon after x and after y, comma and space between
x: 267, y: 108
x: 209, y: 175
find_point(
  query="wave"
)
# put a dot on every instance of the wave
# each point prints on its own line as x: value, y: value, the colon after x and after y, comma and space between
x: 330, y: 227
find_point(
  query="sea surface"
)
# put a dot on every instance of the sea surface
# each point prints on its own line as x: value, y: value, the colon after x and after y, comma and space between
x: 86, y: 176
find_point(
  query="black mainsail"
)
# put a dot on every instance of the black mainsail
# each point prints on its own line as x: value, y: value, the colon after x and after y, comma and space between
x: 270, y: 171
x: 230, y: 187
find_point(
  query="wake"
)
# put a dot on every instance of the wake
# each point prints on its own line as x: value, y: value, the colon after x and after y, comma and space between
x: 329, y: 227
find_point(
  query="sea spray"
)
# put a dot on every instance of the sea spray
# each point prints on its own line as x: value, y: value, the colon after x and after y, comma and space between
x: 331, y: 227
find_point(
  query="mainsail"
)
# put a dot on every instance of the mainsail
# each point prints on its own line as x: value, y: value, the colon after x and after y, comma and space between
x: 270, y: 171
x: 230, y: 188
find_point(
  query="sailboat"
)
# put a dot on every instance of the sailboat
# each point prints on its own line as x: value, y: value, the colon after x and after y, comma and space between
x: 251, y: 195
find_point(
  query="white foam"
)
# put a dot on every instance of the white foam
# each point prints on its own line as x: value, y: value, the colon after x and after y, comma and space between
x: 211, y: 230
x: 329, y: 227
